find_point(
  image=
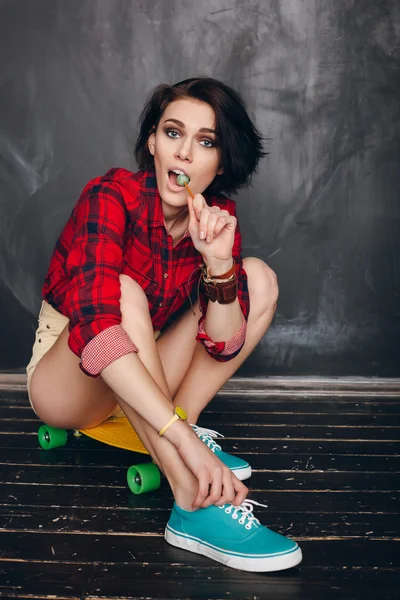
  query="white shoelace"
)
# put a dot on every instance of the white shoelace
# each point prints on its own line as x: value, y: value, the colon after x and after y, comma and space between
x: 246, y: 508
x: 207, y: 435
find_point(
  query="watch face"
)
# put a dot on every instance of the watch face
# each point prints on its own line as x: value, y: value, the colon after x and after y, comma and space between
x: 180, y: 412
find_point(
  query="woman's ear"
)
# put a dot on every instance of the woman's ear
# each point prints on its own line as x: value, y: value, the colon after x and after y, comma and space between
x: 151, y: 143
x: 220, y: 171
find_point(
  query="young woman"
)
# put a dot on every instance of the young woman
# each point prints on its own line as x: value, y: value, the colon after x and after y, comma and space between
x: 148, y: 307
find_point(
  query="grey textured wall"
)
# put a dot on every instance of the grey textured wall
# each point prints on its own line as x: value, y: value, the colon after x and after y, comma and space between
x: 322, y: 80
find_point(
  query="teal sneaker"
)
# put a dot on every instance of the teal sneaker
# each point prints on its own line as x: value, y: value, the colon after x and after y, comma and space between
x: 240, y: 467
x: 233, y: 536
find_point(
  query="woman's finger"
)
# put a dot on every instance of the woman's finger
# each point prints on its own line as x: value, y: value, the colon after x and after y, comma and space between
x: 204, y: 482
x: 198, y: 204
x: 241, y: 491
x: 212, y: 221
x: 203, y: 224
x: 193, y: 222
x: 219, y: 226
x: 215, y: 490
x: 228, y: 491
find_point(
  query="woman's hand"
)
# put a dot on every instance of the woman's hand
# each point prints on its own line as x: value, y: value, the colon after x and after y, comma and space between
x: 212, y: 229
x: 217, y: 484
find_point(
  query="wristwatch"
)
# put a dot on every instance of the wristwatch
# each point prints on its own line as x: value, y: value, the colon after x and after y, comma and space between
x: 179, y: 415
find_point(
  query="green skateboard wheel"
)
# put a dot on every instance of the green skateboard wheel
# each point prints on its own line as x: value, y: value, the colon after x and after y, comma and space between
x: 143, y: 478
x: 50, y: 437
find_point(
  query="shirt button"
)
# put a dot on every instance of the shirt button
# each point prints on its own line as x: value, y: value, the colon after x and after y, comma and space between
x: 165, y: 275
x: 160, y: 304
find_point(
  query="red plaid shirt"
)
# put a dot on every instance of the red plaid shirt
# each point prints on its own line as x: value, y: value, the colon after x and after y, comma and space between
x: 117, y: 226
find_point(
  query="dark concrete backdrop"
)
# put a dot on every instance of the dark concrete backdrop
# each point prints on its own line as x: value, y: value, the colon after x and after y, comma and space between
x: 321, y: 79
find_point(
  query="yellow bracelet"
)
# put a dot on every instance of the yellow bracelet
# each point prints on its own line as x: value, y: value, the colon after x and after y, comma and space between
x: 179, y: 415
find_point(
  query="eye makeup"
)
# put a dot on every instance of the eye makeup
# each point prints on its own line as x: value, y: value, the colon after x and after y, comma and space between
x: 211, y: 143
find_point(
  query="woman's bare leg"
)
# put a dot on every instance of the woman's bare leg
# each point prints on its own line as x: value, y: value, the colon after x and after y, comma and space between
x: 205, y: 376
x: 58, y: 370
x: 137, y: 324
x: 187, y: 374
x: 65, y: 397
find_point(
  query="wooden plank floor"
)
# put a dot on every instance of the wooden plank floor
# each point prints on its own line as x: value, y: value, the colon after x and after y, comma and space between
x: 327, y: 465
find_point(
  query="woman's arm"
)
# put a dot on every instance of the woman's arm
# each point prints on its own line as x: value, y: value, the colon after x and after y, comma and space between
x: 92, y: 303
x: 131, y: 381
x: 93, y: 265
x: 222, y: 321
x: 222, y: 328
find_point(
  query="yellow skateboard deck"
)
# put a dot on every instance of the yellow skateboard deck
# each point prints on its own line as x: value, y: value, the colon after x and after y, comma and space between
x: 117, y: 432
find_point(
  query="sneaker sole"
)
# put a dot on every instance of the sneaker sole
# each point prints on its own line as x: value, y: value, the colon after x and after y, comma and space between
x: 242, y: 474
x: 235, y: 560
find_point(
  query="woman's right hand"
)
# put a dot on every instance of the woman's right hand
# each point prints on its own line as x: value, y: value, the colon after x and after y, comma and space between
x: 217, y: 484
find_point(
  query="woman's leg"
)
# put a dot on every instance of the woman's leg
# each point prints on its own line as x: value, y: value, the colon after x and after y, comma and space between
x: 195, y: 388
x: 137, y: 323
x: 63, y: 396
x: 183, y: 369
x: 89, y: 401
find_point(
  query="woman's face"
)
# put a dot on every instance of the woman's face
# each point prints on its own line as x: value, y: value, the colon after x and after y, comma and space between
x: 185, y: 141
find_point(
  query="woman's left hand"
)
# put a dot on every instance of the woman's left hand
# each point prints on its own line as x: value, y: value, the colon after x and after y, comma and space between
x: 212, y: 230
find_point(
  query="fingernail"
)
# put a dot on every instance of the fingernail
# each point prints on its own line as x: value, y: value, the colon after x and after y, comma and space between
x: 202, y: 235
x: 208, y: 239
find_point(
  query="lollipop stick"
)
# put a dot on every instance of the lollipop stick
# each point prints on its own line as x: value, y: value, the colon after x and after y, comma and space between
x: 189, y: 190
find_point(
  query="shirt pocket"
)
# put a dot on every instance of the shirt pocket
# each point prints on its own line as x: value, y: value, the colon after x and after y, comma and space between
x: 143, y: 274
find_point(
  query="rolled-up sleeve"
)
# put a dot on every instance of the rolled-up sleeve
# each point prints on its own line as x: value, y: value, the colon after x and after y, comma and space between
x: 93, y: 266
x: 225, y: 351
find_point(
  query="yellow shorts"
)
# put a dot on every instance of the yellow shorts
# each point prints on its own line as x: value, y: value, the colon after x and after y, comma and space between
x: 50, y: 325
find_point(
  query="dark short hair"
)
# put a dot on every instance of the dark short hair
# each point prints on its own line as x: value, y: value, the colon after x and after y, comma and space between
x: 238, y: 139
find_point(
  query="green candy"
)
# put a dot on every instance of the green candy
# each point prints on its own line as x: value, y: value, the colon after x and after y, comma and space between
x: 182, y: 179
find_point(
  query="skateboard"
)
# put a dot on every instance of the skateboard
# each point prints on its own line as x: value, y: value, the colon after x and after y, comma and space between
x: 116, y: 432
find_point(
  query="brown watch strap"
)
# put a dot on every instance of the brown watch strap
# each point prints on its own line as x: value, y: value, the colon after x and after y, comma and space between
x: 223, y: 293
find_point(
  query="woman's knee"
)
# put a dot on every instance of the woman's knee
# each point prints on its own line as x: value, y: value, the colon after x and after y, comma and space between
x: 262, y: 284
x: 63, y: 396
x: 132, y: 296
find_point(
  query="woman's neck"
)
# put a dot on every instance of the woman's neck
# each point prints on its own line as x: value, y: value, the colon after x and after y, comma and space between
x: 175, y: 217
